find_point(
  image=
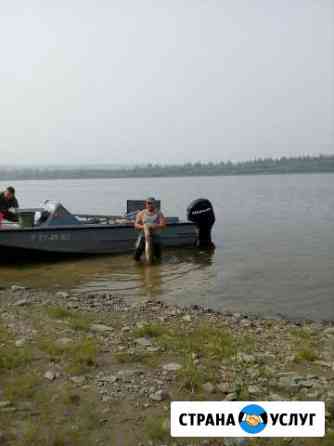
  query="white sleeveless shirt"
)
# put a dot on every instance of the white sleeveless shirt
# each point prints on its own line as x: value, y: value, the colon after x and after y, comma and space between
x: 151, y: 218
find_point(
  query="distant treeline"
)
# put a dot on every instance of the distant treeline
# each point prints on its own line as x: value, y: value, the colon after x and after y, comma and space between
x: 307, y: 164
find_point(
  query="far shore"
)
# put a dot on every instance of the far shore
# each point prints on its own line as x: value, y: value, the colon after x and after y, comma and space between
x: 266, y: 166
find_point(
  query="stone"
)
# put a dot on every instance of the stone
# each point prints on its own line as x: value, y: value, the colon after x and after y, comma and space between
x: 153, y: 349
x: 79, y: 380
x: 160, y: 395
x: 186, y: 318
x: 9, y: 409
x: 253, y: 374
x: 313, y: 396
x: 329, y: 331
x: 62, y: 294
x: 208, y: 387
x: 330, y: 407
x: 4, y: 404
x: 20, y: 342
x: 236, y: 442
x: 63, y: 342
x: 275, y: 397
x: 144, y: 342
x: 243, y: 357
x: 108, y: 379
x: 17, y: 288
x: 21, y: 303
x: 172, y: 367
x: 231, y: 397
x: 290, y: 382
x: 254, y: 390
x: 126, y: 328
x: 50, y: 375
x: 100, y: 328
x: 171, y: 312
x: 306, y: 383
x: 25, y: 406
x: 226, y: 387
x: 324, y: 364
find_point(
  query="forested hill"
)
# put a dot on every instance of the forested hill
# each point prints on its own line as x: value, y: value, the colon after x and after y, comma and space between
x: 318, y: 164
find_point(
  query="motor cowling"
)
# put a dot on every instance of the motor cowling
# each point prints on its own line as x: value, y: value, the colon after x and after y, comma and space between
x: 201, y: 213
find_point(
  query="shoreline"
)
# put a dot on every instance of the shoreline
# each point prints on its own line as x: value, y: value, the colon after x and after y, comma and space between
x: 129, y: 360
x: 197, y: 175
x: 183, y: 307
x: 74, y: 294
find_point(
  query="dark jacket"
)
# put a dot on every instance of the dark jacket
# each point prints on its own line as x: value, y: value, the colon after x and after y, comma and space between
x: 7, y: 204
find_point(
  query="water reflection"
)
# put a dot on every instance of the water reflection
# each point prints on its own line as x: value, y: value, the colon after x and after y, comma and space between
x: 151, y: 278
x: 133, y: 279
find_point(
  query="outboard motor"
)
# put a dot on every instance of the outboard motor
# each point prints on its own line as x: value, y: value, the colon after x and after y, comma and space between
x: 201, y: 213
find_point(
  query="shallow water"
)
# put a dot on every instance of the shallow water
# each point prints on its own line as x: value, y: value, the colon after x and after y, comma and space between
x: 274, y: 239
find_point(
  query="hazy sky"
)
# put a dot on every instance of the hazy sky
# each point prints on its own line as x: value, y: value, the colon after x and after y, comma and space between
x: 123, y: 81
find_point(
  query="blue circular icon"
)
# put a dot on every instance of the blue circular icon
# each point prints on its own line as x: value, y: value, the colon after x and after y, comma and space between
x: 253, y: 419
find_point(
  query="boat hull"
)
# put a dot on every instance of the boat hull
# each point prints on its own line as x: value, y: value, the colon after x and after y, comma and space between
x: 17, y: 244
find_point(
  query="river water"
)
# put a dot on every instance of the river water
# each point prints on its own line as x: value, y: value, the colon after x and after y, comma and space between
x: 274, y: 239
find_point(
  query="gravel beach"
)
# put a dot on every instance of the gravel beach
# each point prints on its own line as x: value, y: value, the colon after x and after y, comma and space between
x: 94, y: 369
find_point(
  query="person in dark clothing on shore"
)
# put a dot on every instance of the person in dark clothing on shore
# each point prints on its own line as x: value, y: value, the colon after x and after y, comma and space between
x: 8, y: 201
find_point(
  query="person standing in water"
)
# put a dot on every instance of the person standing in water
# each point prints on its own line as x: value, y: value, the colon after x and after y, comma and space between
x: 153, y: 220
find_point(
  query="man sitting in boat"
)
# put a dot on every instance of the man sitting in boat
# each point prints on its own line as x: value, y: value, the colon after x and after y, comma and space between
x: 150, y: 221
x: 8, y: 201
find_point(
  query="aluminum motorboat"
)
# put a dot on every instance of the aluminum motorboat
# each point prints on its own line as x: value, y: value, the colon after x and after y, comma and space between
x: 53, y: 230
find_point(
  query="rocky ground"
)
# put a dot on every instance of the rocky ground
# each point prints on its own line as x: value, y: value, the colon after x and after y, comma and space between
x: 92, y: 369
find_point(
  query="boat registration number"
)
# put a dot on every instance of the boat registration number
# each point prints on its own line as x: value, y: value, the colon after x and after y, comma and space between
x: 51, y: 237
